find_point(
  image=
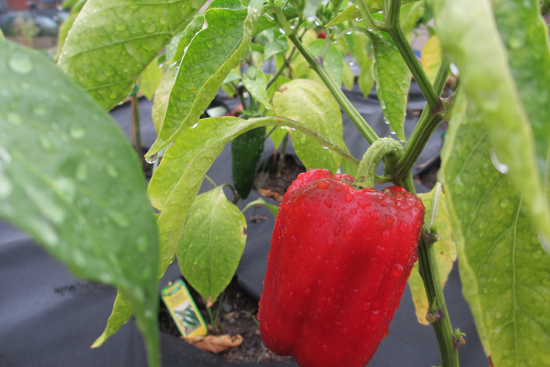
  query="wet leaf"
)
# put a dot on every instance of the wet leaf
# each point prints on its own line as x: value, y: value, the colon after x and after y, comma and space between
x: 333, y: 62
x: 112, y: 42
x: 212, y: 54
x: 445, y: 254
x: 63, y: 32
x: 347, y: 77
x: 409, y: 16
x: 160, y: 101
x: 393, y: 80
x: 274, y: 47
x: 186, y: 37
x: 212, y: 243
x: 256, y: 85
x: 310, y: 102
x: 504, y: 271
x: 431, y: 57
x: 351, y: 12
x: 150, y: 79
x: 490, y: 88
x: 70, y: 178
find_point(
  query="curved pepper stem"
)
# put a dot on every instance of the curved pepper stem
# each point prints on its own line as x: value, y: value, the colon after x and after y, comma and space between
x: 384, y: 147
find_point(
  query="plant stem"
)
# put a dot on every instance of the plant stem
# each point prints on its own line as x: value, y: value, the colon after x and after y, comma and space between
x: 281, y: 69
x: 211, y: 181
x: 384, y: 147
x: 135, y: 118
x: 426, y: 126
x: 336, y: 91
x: 396, y: 33
x: 430, y: 275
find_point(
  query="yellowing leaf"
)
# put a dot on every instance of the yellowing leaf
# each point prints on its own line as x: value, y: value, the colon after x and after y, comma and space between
x: 445, y: 253
x: 431, y: 57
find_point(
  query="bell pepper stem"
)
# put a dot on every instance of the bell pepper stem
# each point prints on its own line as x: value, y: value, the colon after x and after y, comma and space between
x: 385, y: 147
x: 430, y: 275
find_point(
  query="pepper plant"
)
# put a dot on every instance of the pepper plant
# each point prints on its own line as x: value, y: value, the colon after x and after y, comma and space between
x: 69, y: 177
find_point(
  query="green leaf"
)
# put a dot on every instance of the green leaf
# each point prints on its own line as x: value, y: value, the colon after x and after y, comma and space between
x: 212, y: 244
x: 504, y: 272
x: 186, y: 37
x: 347, y: 77
x: 274, y: 47
x: 69, y: 177
x: 393, y: 80
x: 351, y: 12
x: 312, y: 103
x: 231, y: 77
x: 491, y: 89
x: 366, y: 77
x: 445, y: 255
x: 63, y: 32
x: 150, y: 79
x: 409, y: 16
x: 431, y: 57
x: 521, y: 27
x: 333, y: 62
x: 274, y: 209
x: 160, y: 103
x: 212, y: 54
x: 2, y: 38
x: 256, y: 86
x: 112, y: 42
x: 179, y: 176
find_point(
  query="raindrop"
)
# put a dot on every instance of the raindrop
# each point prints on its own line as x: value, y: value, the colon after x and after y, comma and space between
x: 21, y: 63
x: 311, y: 18
x: 171, y: 144
x: 501, y: 167
x: 454, y: 69
x: 152, y: 159
x: 82, y: 170
x: 112, y: 171
x: 46, y: 143
x: 5, y: 157
x: 119, y: 219
x: 194, y: 126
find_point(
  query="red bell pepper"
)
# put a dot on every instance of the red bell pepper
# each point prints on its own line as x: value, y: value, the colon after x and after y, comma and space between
x: 338, y: 265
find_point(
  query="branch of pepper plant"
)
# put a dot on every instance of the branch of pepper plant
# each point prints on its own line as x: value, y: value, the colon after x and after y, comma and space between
x: 427, y: 265
x: 426, y: 126
x: 336, y: 91
x: 281, y: 69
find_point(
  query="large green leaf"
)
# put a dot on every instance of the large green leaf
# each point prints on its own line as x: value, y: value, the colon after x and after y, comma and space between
x: 274, y: 47
x: 445, y: 255
x: 393, y: 80
x: 184, y: 165
x: 409, y: 16
x: 431, y: 57
x: 69, y: 177
x: 186, y: 37
x: 63, y: 32
x: 505, y: 274
x: 522, y: 28
x: 366, y: 63
x: 310, y: 102
x: 113, y: 41
x: 212, y: 54
x: 212, y: 244
x: 489, y: 84
x: 352, y: 12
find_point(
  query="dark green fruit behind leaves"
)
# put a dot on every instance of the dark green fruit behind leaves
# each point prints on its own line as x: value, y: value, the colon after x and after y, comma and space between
x: 246, y: 152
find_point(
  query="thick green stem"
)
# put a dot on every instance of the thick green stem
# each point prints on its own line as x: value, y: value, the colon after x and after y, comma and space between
x: 336, y: 91
x: 427, y: 124
x: 396, y: 33
x: 385, y: 147
x: 430, y: 275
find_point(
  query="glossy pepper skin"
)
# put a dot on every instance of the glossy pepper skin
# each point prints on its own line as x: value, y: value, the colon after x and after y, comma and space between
x: 338, y: 265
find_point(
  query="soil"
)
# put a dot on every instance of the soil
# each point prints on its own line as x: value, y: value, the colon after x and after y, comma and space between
x: 237, y: 316
x: 269, y: 184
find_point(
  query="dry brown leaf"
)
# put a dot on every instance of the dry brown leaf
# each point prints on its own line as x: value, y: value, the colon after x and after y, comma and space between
x: 271, y: 194
x: 215, y: 344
